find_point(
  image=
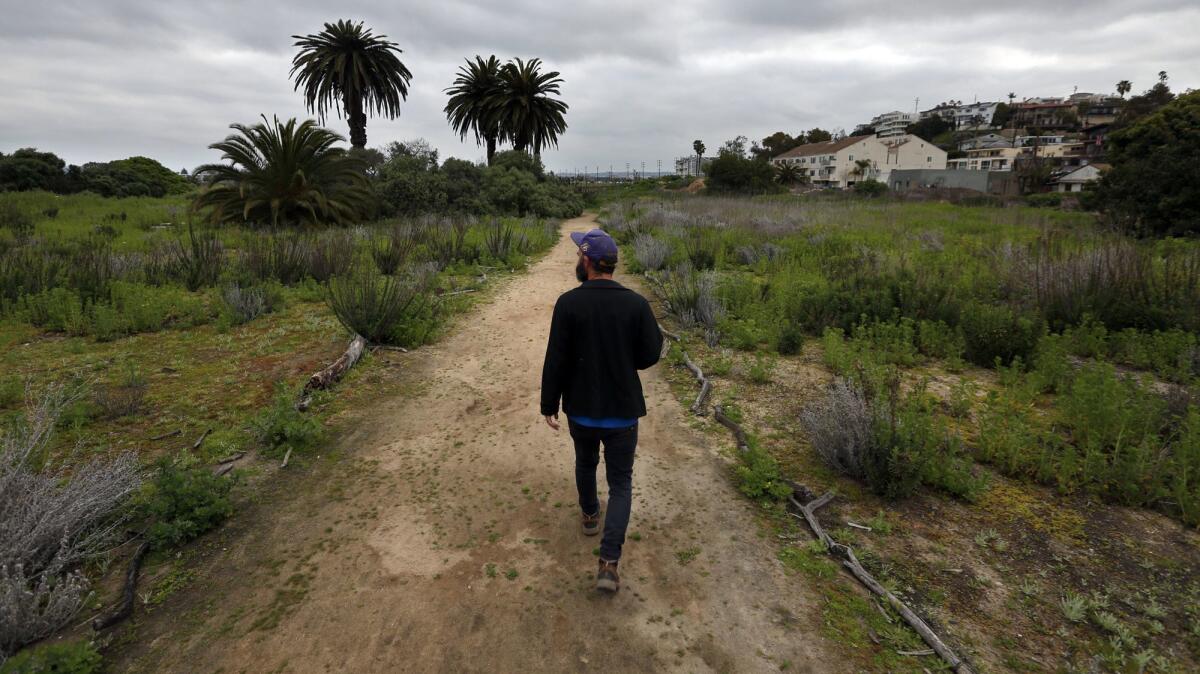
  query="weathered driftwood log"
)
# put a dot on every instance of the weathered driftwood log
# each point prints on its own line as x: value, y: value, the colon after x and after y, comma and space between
x: 705, y: 385
x: 125, y: 608
x: 164, y: 436
x: 200, y: 440
x: 808, y: 510
x: 332, y: 373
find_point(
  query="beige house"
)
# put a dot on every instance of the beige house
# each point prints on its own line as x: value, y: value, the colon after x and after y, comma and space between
x: 843, y: 162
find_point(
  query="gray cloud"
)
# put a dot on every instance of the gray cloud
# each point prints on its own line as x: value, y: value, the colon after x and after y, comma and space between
x: 102, y: 80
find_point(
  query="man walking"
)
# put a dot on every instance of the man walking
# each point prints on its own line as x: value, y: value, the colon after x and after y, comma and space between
x: 601, y: 334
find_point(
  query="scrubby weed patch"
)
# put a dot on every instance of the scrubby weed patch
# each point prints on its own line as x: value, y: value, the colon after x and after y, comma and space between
x: 890, y: 287
x: 982, y: 355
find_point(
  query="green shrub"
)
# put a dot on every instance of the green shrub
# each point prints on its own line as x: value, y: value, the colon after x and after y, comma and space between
x: 376, y: 306
x: 281, y: 426
x: 56, y: 310
x: 762, y: 370
x: 759, y: 476
x: 1115, y: 425
x: 870, y: 188
x: 1182, y: 473
x: 1089, y: 339
x: 1045, y: 200
x: 1052, y: 368
x: 790, y: 340
x: 935, y: 339
x: 741, y: 334
x: 183, y: 502
x: 72, y: 657
x: 891, y: 342
x: 13, y: 218
x: 997, y: 333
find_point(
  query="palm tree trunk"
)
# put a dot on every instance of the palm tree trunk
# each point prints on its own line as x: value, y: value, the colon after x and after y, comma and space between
x: 491, y: 149
x: 357, y: 120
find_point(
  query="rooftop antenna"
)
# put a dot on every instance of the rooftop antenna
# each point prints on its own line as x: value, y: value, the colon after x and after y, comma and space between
x: 916, y: 103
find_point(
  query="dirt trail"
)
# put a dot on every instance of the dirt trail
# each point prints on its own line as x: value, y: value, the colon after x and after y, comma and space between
x: 452, y: 544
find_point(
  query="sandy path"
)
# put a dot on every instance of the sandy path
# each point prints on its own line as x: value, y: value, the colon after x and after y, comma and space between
x: 451, y: 544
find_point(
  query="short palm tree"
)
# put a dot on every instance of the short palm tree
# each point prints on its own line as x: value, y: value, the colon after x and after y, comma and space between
x: 698, y: 147
x: 347, y: 68
x: 283, y: 174
x: 863, y: 168
x: 473, y: 102
x: 1123, y: 87
x: 788, y: 174
x: 526, y: 112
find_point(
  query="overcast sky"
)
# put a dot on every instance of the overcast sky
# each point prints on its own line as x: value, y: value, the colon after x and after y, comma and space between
x: 106, y: 79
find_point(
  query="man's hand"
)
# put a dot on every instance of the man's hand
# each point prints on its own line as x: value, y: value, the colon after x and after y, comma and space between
x: 552, y: 421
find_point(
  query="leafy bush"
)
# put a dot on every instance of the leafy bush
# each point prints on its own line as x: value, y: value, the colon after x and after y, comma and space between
x: 498, y: 238
x: 1045, y: 199
x: 184, y: 501
x: 72, y: 657
x: 998, y: 333
x: 243, y: 305
x: 281, y: 426
x: 790, y: 340
x: 870, y: 188
x: 14, y: 219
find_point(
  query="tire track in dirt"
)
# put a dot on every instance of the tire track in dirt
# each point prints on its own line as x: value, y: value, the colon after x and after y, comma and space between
x: 449, y: 540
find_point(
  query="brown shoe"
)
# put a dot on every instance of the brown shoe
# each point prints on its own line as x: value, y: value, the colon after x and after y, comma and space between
x: 591, y: 524
x: 607, y: 578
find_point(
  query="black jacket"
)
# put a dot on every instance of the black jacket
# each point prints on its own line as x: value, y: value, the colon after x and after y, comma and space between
x: 601, y: 334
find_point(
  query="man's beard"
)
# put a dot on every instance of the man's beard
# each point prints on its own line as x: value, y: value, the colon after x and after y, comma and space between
x: 580, y: 271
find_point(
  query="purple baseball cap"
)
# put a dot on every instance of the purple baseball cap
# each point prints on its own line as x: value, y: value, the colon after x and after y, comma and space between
x: 595, y: 244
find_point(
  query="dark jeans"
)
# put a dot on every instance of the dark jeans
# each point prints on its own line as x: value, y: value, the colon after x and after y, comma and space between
x: 619, y: 446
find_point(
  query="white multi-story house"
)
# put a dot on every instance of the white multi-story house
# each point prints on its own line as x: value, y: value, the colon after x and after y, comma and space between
x: 691, y: 165
x: 893, y: 123
x: 964, y: 115
x: 843, y: 162
x: 974, y: 115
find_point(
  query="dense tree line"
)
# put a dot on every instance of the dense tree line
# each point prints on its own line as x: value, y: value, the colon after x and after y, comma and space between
x: 29, y: 169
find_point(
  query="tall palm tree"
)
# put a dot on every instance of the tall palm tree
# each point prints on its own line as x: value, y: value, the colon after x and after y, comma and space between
x: 698, y: 147
x: 283, y: 174
x: 1123, y: 87
x: 472, y: 107
x: 527, y: 114
x: 347, y: 68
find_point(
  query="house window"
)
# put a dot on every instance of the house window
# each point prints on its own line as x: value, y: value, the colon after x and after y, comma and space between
x: 851, y: 157
x: 928, y: 159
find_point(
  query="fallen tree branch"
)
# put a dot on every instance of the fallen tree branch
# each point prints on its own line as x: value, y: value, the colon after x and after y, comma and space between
x: 164, y: 436
x: 287, y: 455
x: 705, y: 385
x: 223, y: 469
x: 333, y: 373
x: 850, y: 561
x: 846, y: 554
x: 125, y: 609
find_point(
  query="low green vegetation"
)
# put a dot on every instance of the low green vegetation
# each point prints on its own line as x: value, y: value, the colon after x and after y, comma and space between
x: 892, y: 287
